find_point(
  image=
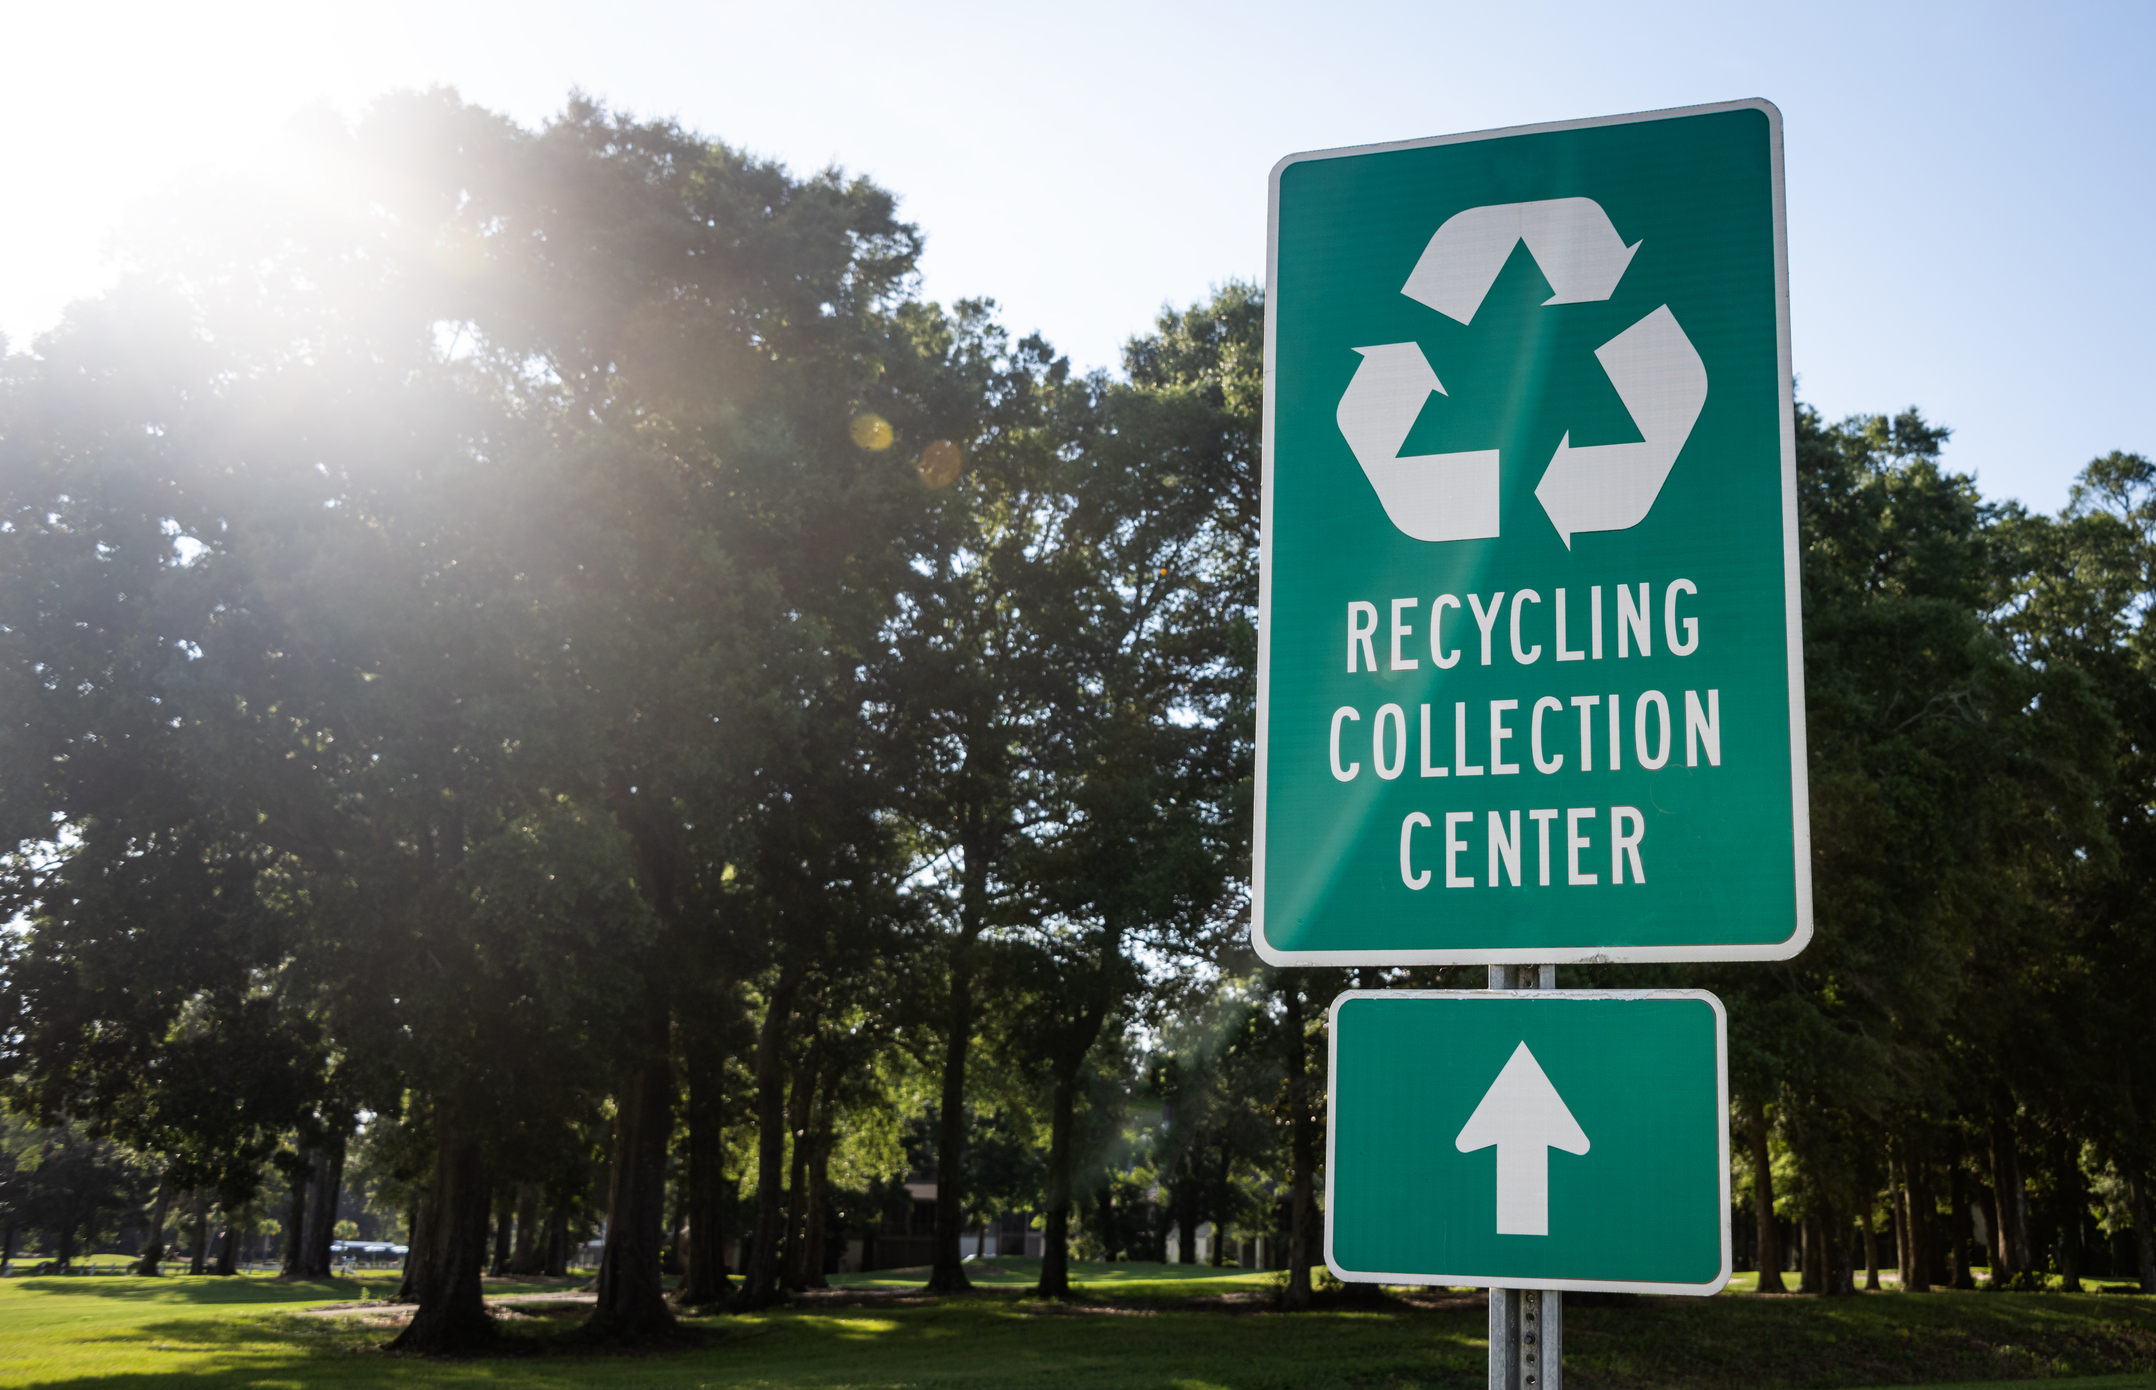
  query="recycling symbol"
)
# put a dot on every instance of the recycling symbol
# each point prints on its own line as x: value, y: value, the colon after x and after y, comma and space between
x: 1652, y: 364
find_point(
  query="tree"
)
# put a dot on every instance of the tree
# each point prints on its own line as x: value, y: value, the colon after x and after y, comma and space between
x: 1952, y: 779
x: 2080, y: 599
x: 967, y: 678
x: 1142, y: 829
x: 1300, y: 1014
x: 409, y: 654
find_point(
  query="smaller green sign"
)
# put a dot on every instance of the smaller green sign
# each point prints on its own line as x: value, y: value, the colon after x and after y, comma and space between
x: 1572, y: 1139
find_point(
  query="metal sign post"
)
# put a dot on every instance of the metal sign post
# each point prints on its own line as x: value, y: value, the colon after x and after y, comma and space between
x: 1527, y: 1326
x: 1526, y: 1339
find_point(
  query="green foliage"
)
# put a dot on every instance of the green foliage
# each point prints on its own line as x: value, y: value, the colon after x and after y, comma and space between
x: 1964, y: 741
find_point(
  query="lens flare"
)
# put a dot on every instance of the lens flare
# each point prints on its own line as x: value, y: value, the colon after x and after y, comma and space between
x: 871, y: 431
x: 941, y: 462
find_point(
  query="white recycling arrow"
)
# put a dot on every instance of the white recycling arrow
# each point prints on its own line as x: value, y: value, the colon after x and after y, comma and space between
x: 1656, y: 370
x: 1432, y: 497
x: 1571, y: 239
x: 1662, y: 382
x: 1522, y: 1115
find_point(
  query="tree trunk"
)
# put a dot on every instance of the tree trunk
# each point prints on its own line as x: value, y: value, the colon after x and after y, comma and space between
x: 1963, y: 1226
x: 816, y: 1207
x: 153, y: 1249
x: 527, y: 1256
x: 228, y: 1251
x: 505, y: 1216
x: 1222, y: 1196
x: 1922, y: 1272
x: 1811, y: 1262
x: 1871, y: 1244
x: 1302, y: 1149
x: 199, y: 1250
x: 2144, y: 1235
x: 449, y: 1248
x: 324, y: 1193
x: 1915, y: 1214
x: 2073, y: 1205
x: 1834, y: 1250
x: 1055, y: 1239
x: 2002, y: 1245
x: 557, y: 1244
x: 1074, y: 1046
x: 947, y: 1273
x: 797, y: 1123
x: 408, y: 1286
x: 1898, y: 1213
x: 1104, y: 1207
x: 295, y: 1224
x: 1185, y: 1198
x: 760, y: 1273
x: 2010, y: 1204
x: 631, y: 1297
x: 1770, y: 1236
x: 703, y: 1277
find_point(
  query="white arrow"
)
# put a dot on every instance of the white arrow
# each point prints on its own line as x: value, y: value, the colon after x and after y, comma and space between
x: 1523, y: 1115
x: 1432, y: 497
x: 1571, y: 239
x: 1662, y: 382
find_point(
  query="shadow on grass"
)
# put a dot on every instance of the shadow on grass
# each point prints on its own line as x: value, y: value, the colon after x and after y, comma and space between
x: 197, y: 1289
x: 252, y: 1334
x: 527, y: 1333
x: 209, y: 1289
x: 1867, y: 1340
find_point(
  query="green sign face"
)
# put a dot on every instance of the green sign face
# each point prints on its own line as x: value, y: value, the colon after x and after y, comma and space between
x: 1530, y: 682
x: 1529, y: 1139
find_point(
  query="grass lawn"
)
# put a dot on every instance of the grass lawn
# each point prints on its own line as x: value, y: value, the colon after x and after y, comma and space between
x: 1148, y: 1327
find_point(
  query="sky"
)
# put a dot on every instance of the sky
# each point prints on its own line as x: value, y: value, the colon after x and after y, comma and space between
x: 1972, y: 212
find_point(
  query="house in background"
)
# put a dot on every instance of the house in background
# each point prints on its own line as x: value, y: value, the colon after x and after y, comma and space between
x: 1260, y: 1252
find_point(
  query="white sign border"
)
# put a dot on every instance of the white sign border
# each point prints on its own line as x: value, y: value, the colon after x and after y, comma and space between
x: 1504, y: 1281
x: 1792, y: 584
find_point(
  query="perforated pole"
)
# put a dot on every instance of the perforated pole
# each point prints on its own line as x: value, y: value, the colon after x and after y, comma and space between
x: 1526, y: 1325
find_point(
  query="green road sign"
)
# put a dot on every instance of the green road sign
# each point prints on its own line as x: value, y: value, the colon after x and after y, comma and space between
x: 1530, y: 683
x: 1529, y: 1139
